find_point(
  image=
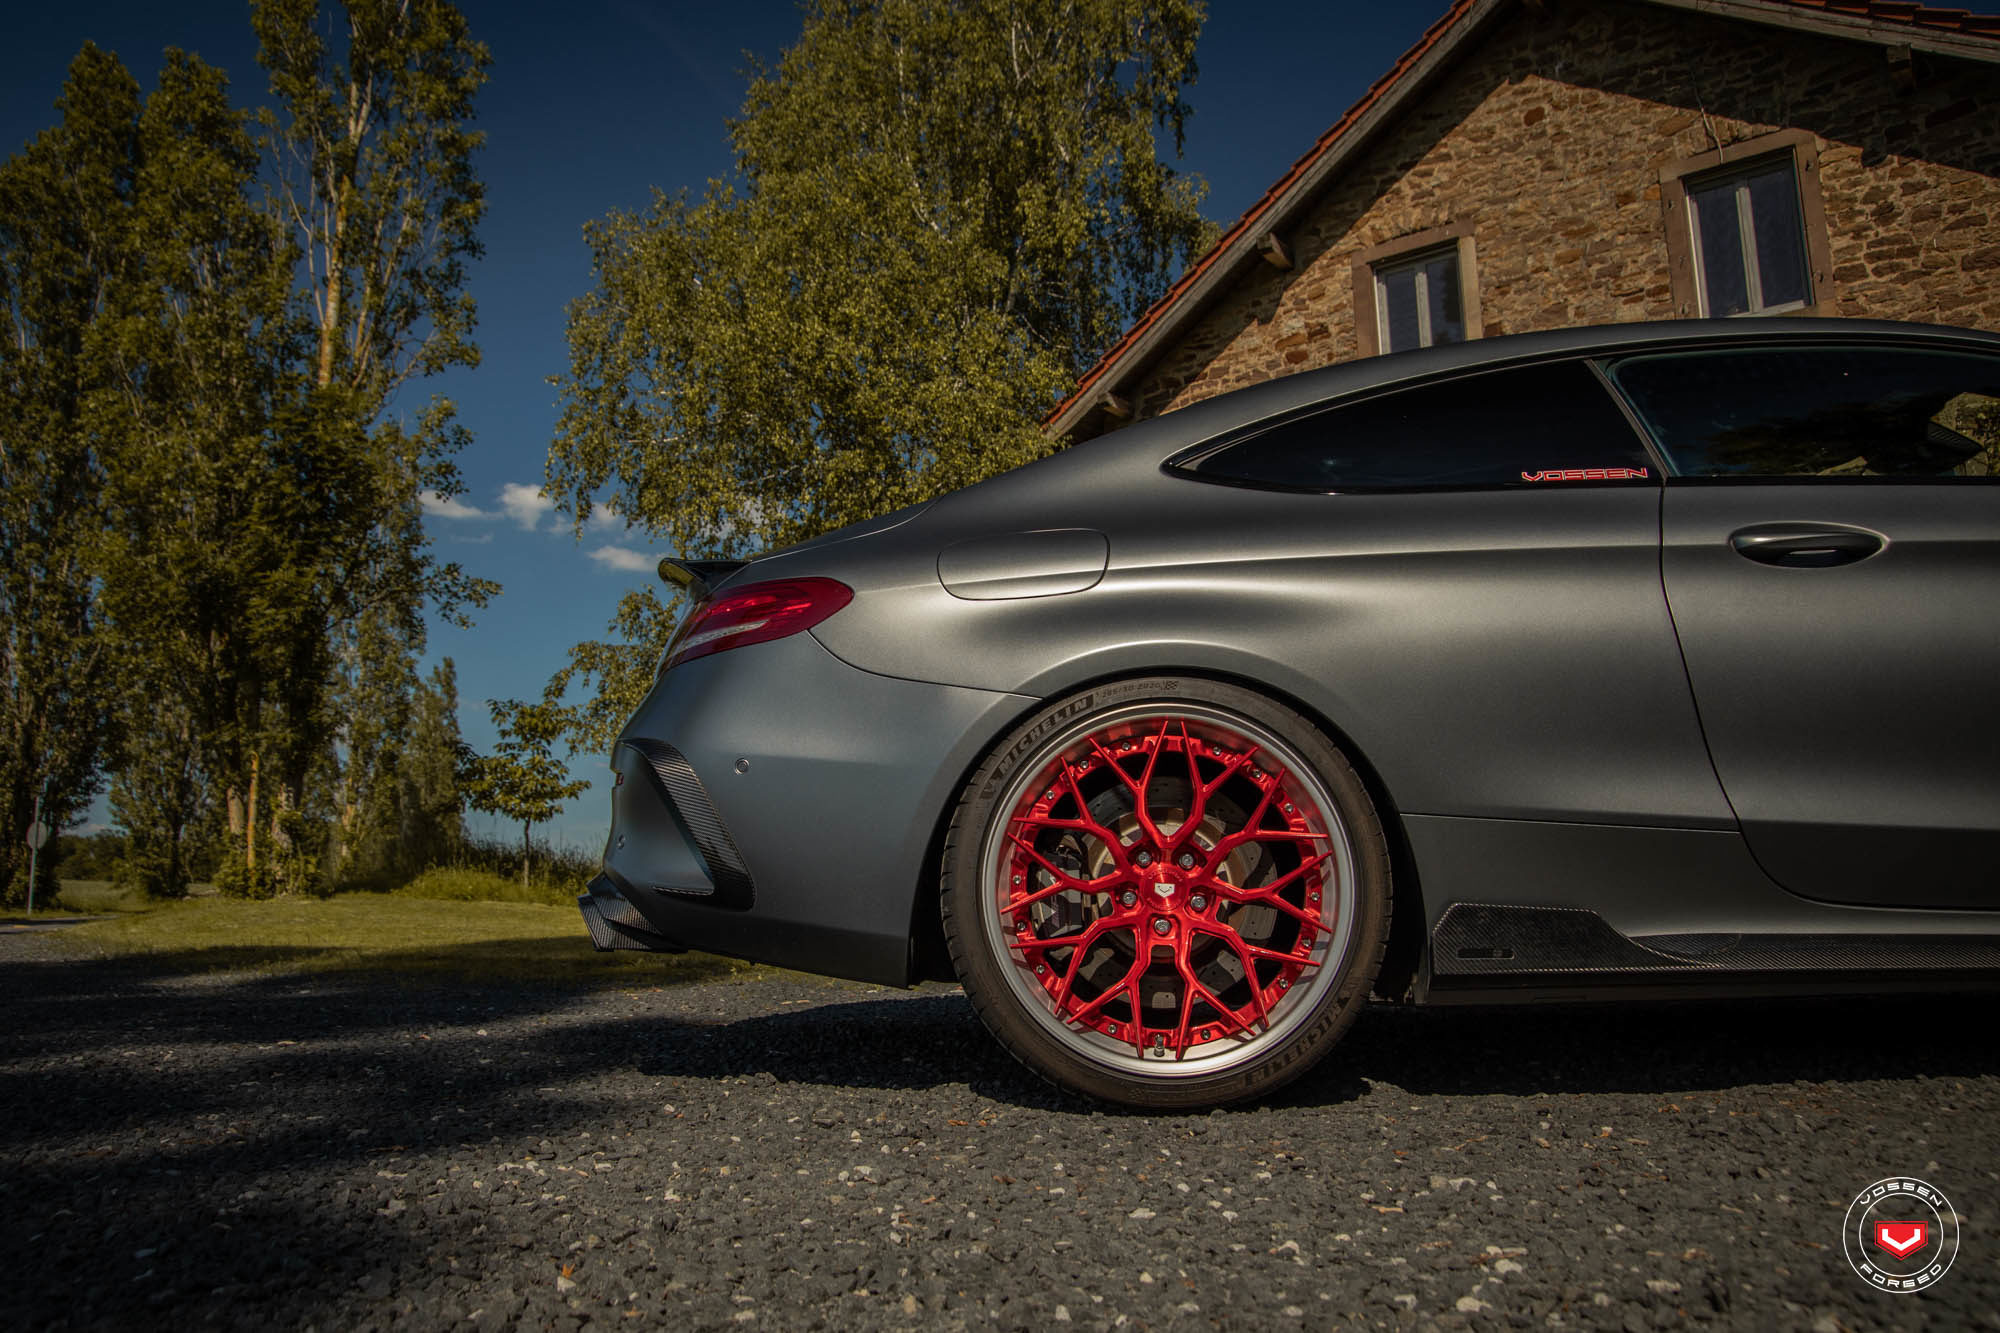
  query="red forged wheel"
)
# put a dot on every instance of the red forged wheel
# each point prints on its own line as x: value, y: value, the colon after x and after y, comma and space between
x: 1166, y: 893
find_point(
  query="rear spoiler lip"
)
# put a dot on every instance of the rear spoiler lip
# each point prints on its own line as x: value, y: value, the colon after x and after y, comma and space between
x: 697, y: 578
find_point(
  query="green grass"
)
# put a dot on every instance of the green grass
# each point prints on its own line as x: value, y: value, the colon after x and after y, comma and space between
x: 372, y: 932
x: 90, y: 896
x: 460, y: 886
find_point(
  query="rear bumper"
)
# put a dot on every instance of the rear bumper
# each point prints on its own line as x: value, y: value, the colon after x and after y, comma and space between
x: 615, y: 924
x: 776, y: 804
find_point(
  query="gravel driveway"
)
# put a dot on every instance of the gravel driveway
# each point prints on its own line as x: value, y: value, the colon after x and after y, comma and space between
x: 351, y: 1153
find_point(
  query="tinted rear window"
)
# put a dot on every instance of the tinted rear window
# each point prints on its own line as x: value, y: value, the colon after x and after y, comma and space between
x: 1833, y: 412
x: 1521, y: 427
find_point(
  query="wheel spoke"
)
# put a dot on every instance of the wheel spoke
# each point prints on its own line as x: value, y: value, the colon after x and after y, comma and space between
x: 1137, y: 1001
x: 1090, y: 826
x: 1106, y: 995
x: 1241, y: 947
x: 1064, y: 880
x: 1289, y: 959
x: 1089, y: 937
x: 1193, y: 988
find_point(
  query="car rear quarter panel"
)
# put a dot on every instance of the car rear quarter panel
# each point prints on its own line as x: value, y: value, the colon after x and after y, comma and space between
x: 829, y: 780
x: 1492, y: 654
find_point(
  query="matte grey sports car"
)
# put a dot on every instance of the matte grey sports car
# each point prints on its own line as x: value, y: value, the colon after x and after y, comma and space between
x: 1648, y: 660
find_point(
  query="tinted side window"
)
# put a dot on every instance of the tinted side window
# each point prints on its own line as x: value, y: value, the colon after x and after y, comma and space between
x: 1819, y: 411
x: 1522, y: 427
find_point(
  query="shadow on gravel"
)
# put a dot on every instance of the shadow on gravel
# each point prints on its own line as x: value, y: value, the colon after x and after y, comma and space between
x: 245, y: 1124
x: 850, y: 1039
x: 1660, y: 1046
x: 1643, y: 1047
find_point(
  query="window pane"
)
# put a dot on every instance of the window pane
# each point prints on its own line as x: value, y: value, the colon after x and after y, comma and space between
x: 1399, y: 309
x: 1447, y: 305
x: 1722, y: 280
x: 1477, y: 431
x: 1852, y: 411
x: 1780, y: 235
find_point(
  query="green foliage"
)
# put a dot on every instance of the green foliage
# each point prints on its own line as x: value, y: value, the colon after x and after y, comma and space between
x: 941, y: 214
x: 373, y: 146
x: 237, y: 879
x: 212, y: 510
x: 623, y: 668
x: 432, y: 826
x: 468, y: 885
x: 88, y: 856
x: 522, y: 780
x: 62, y: 199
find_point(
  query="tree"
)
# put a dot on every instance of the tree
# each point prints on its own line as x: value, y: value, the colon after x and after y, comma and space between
x: 197, y: 565
x: 431, y: 804
x: 376, y: 689
x: 371, y: 146
x: 942, y: 212
x: 522, y: 779
x: 64, y: 203
x: 202, y: 455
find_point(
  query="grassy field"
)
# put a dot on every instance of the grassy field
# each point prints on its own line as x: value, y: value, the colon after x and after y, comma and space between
x: 88, y: 896
x: 379, y: 932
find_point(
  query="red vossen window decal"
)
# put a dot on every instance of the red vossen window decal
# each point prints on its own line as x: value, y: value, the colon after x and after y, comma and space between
x: 1589, y: 474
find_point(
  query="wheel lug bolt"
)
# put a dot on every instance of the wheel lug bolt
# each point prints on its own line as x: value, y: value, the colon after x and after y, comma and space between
x: 1198, y: 903
x: 1161, y: 925
x: 1143, y: 859
x: 1128, y: 897
x: 1187, y: 861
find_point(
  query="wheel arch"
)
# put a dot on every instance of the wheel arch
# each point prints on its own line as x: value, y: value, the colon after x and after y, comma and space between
x: 929, y: 959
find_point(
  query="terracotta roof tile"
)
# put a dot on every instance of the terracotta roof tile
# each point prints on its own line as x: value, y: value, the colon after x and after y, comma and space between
x: 1899, y: 11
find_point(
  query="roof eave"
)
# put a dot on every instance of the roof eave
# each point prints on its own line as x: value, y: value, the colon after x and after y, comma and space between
x: 1854, y: 27
x: 1239, y: 246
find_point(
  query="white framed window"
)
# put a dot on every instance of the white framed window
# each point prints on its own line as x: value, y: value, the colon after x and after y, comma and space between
x: 1746, y: 230
x: 1749, y: 240
x: 1419, y: 289
x: 1420, y: 300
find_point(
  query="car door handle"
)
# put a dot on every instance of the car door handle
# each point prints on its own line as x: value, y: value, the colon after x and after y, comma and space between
x: 1805, y: 545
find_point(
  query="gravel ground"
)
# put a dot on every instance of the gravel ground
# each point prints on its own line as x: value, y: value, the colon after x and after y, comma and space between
x: 367, y: 1152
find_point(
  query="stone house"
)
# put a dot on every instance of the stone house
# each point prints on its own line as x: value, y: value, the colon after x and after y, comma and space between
x: 1535, y: 164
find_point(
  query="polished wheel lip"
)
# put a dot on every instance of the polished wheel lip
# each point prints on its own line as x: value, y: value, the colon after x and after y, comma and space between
x: 1319, y: 970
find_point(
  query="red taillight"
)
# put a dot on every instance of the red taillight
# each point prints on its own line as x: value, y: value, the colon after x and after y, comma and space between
x: 755, y: 613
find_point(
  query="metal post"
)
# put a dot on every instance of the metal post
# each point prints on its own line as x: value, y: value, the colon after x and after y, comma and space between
x: 35, y: 843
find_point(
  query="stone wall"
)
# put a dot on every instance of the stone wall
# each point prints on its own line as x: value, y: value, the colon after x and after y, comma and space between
x: 1550, y: 138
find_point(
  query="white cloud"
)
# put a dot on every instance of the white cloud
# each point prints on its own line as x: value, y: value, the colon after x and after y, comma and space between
x: 624, y: 557
x: 601, y: 513
x: 483, y: 539
x: 450, y: 508
x: 525, y: 504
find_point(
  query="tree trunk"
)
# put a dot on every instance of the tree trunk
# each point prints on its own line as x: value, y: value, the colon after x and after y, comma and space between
x: 250, y: 818
x: 525, y: 826
x: 331, y: 313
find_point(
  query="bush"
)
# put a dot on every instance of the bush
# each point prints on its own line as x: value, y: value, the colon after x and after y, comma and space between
x: 465, y: 884
x: 234, y: 879
x: 90, y: 855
